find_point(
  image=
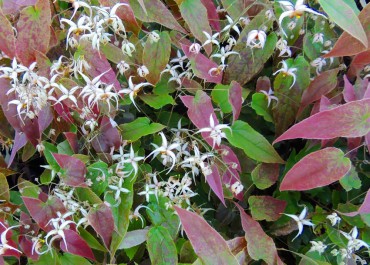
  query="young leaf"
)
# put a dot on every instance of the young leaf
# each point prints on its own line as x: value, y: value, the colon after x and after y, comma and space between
x: 74, y: 170
x: 31, y: 31
x: 209, y: 245
x: 348, y: 120
x: 214, y: 181
x: 108, y: 138
x: 7, y: 39
x: 317, y: 169
x: 101, y: 219
x: 346, y: 18
x: 259, y: 245
x: 266, y: 207
x: 76, y: 245
x: 138, y: 128
x: 255, y: 146
x: 195, y: 16
x: 161, y: 248
x: 134, y: 238
x: 156, y: 56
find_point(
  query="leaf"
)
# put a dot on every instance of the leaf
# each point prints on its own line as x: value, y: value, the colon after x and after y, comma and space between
x: 134, y: 238
x: 157, y: 101
x: 138, y: 128
x: 235, y: 99
x: 364, y: 208
x: 13, y: 6
x: 76, y: 245
x: 214, y: 181
x: 161, y: 248
x: 317, y: 169
x: 108, y: 138
x: 91, y: 240
x: 209, y: 245
x: 7, y: 38
x: 259, y: 245
x: 156, y: 12
x: 255, y: 146
x: 266, y: 207
x: 69, y: 259
x: 156, y: 56
x: 95, y: 171
x: 20, y: 140
x: 320, y: 86
x: 341, y: 47
x: 213, y: 19
x: 195, y: 15
x: 349, y: 120
x: 344, y: 16
x: 101, y: 219
x: 31, y: 31
x: 114, y: 54
x: 201, y: 65
x: 259, y: 104
x: 74, y: 170
x: 4, y: 188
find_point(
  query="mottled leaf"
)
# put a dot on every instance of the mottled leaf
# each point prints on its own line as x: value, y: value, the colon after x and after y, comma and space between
x: 161, y: 248
x: 348, y: 120
x: 31, y: 31
x: 317, y: 169
x: 265, y: 175
x: 156, y: 56
x: 13, y: 6
x: 7, y: 38
x: 266, y: 207
x: 4, y: 188
x: 134, y: 238
x: 209, y: 245
x: 259, y: 245
x: 140, y: 127
x: 101, y: 219
x: 255, y: 146
x: 74, y: 170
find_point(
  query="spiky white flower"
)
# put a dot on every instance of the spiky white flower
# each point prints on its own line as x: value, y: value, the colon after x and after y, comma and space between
x: 301, y: 221
x: 216, y: 133
x: 256, y: 39
x: 285, y: 70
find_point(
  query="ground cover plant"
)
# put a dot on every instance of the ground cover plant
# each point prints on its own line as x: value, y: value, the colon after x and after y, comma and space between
x: 184, y: 132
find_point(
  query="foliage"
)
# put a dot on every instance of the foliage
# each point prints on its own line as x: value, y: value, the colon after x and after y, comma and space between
x: 184, y: 132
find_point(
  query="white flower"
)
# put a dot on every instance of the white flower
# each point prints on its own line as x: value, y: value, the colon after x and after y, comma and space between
x: 83, y: 25
x: 256, y: 39
x: 296, y: 10
x: 223, y: 54
x: 333, y: 218
x: 300, y: 221
x: 154, y: 37
x: 318, y: 37
x: 237, y: 187
x: 132, y: 90
x: 269, y: 14
x: 127, y: 47
x: 216, y: 132
x: 147, y: 192
x: 132, y: 159
x: 318, y: 246
x: 231, y: 25
x: 119, y: 189
x: 195, y: 48
x: 4, y: 246
x: 282, y: 45
x: 215, y: 71
x: 77, y: 4
x: 285, y: 70
x: 354, y: 244
x: 318, y: 63
x: 142, y: 71
x: 122, y: 67
x: 211, y: 39
x: 244, y: 21
x: 67, y: 94
x: 270, y: 96
x: 136, y: 215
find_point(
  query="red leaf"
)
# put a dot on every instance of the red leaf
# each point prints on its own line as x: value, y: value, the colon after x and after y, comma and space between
x: 207, y: 243
x: 358, y: 63
x: 108, y: 138
x: 13, y: 6
x: 76, y: 245
x: 101, y: 219
x: 20, y: 140
x: 75, y: 170
x: 212, y: 14
x: 7, y: 38
x: 10, y: 242
x: 42, y: 212
x: 44, y: 118
x: 235, y: 99
x: 214, y: 181
x: 348, y: 91
x: 24, y: 241
x: 72, y: 140
x: 201, y: 65
x: 348, y: 120
x: 31, y: 31
x: 321, y: 85
x: 364, y: 208
x: 317, y: 169
x: 259, y: 245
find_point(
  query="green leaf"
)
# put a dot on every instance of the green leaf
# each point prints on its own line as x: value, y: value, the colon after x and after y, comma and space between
x: 69, y: 259
x: 161, y: 248
x: 138, y: 128
x: 351, y: 180
x: 220, y: 95
x: 91, y: 240
x: 65, y: 148
x: 259, y: 104
x: 157, y: 101
x: 98, y: 174
x: 49, y: 149
x: 344, y: 16
x: 4, y: 188
x: 156, y: 56
x: 255, y: 146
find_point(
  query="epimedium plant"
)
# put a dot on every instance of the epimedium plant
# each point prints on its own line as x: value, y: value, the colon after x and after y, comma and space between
x: 184, y: 132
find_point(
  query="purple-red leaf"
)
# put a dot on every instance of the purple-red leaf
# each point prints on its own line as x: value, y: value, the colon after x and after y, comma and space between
x: 259, y: 245
x: 317, y: 169
x: 7, y: 39
x: 348, y: 120
x: 74, y: 170
x: 33, y: 31
x: 209, y: 245
x: 235, y: 99
x: 201, y: 66
x: 108, y: 138
x: 13, y: 6
x: 214, y: 181
x: 101, y: 219
x: 72, y: 140
x: 76, y: 245
x: 20, y: 140
x: 364, y: 208
x: 266, y: 207
x: 214, y: 20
